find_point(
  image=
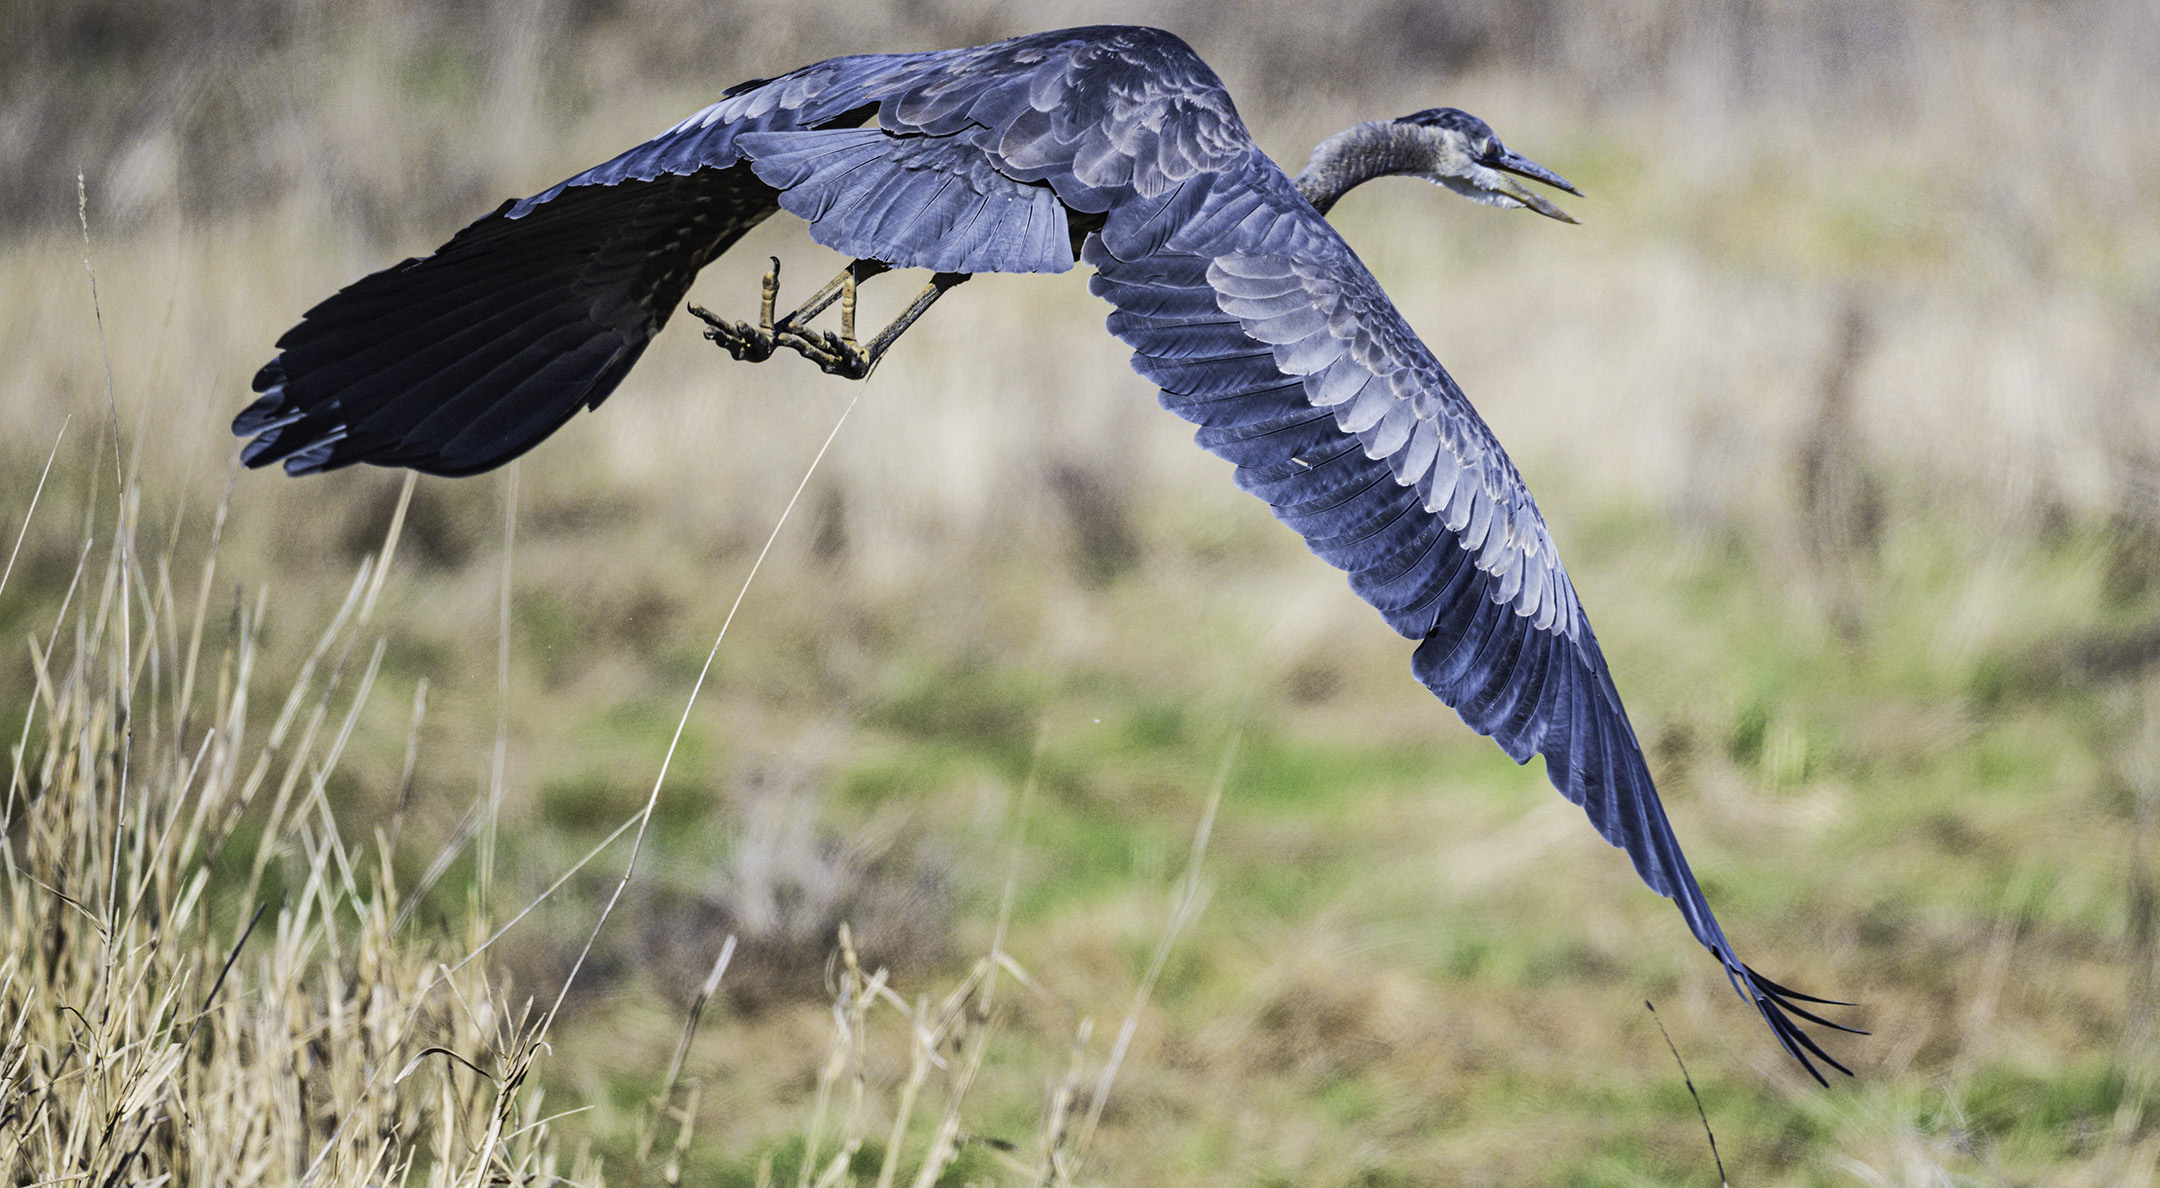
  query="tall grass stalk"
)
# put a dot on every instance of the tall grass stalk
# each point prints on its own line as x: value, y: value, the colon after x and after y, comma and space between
x: 198, y: 992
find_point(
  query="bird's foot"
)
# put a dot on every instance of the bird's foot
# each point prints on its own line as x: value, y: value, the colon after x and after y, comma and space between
x: 841, y: 354
x: 751, y: 344
x: 835, y: 354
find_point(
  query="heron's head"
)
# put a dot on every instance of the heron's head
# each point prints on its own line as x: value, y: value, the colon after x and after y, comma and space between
x: 1465, y: 156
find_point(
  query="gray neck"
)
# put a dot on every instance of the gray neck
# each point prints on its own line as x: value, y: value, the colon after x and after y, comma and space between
x: 1382, y: 148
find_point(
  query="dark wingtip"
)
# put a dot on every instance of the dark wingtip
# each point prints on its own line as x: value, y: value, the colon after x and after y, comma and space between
x: 314, y: 458
x: 267, y: 413
x: 1777, y: 1005
x: 264, y: 419
x: 1789, y: 992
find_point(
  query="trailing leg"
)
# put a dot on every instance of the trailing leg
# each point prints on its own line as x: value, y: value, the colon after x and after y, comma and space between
x: 751, y: 344
x: 836, y: 354
x: 841, y: 354
x: 755, y: 344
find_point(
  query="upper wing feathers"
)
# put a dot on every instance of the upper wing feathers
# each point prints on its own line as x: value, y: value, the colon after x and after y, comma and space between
x: 1110, y: 120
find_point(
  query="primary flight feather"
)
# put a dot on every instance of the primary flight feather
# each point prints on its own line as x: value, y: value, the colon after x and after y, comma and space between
x: 1112, y: 146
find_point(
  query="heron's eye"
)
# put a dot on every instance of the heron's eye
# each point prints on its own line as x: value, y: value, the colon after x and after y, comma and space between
x: 1490, y: 150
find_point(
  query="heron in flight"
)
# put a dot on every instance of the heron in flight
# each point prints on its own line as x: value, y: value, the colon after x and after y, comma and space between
x: 1112, y: 146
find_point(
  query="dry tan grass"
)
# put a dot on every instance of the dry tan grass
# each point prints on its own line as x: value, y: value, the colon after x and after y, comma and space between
x: 205, y: 982
x: 199, y: 993
x: 184, y: 1002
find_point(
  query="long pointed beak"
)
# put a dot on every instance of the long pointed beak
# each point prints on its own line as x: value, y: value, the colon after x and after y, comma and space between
x: 1516, y: 163
x: 1523, y: 166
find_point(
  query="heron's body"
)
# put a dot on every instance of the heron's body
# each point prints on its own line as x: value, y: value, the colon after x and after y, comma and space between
x: 1244, y: 306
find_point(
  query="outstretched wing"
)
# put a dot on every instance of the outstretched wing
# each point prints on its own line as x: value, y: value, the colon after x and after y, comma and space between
x: 458, y: 361
x: 1263, y: 328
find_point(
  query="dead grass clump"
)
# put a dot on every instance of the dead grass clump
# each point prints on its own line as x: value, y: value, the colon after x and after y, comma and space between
x: 792, y: 885
x: 1323, y: 1023
x: 203, y: 980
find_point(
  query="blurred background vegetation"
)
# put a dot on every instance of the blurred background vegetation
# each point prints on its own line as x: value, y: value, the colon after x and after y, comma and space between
x: 1843, y: 405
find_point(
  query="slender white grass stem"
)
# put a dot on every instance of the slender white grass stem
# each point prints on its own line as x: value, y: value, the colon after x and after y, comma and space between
x: 390, y: 544
x: 644, y: 817
x: 34, y: 495
x: 112, y: 403
x: 1190, y: 896
x: 497, y: 767
x: 123, y: 532
x: 641, y: 820
x: 1012, y: 867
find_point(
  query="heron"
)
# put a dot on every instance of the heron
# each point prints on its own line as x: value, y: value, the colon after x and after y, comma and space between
x: 1112, y: 146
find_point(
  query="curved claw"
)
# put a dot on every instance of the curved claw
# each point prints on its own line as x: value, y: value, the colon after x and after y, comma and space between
x: 745, y: 344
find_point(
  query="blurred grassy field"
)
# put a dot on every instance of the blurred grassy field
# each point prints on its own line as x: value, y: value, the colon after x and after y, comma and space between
x: 1843, y: 404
